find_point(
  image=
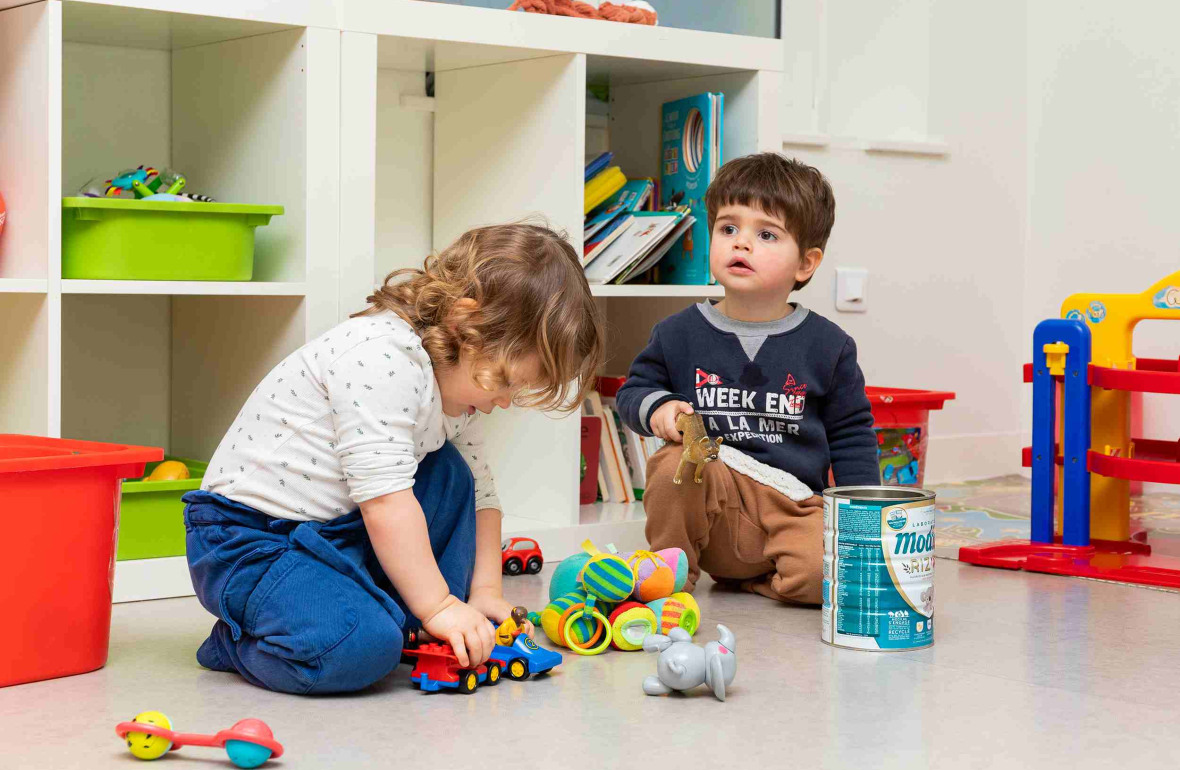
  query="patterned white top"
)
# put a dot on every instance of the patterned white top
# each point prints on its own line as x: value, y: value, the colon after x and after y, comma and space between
x: 344, y: 419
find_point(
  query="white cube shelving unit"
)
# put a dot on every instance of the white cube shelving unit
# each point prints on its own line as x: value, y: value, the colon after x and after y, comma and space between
x: 319, y: 106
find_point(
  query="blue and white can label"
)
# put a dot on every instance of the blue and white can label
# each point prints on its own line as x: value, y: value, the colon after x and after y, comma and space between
x: 878, y: 591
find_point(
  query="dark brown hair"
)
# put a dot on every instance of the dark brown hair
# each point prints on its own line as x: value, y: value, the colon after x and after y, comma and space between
x: 782, y: 187
x: 531, y: 298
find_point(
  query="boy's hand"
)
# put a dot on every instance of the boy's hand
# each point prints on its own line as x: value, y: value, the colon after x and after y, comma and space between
x: 496, y: 607
x: 663, y: 420
x: 465, y: 628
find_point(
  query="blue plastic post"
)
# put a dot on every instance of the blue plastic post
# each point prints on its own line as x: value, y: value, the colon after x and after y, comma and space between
x: 1075, y: 420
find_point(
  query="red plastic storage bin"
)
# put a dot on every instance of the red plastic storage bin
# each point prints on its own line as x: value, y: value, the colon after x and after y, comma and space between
x: 901, y: 418
x: 59, y: 500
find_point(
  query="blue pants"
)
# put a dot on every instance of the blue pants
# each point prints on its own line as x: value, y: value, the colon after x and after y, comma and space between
x: 304, y: 607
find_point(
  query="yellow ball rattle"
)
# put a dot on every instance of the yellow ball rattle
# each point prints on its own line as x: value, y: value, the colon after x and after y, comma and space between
x: 145, y: 745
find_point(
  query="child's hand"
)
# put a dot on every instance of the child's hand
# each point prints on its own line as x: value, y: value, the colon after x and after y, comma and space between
x: 465, y: 628
x: 497, y: 608
x: 663, y: 420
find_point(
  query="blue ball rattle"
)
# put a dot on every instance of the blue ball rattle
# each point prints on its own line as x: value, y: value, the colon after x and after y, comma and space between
x: 249, y: 743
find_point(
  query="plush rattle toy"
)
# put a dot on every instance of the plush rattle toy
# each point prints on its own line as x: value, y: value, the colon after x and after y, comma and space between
x: 699, y: 449
x: 249, y: 743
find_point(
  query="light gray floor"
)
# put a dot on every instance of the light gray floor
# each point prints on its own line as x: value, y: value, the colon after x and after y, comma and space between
x: 1026, y: 671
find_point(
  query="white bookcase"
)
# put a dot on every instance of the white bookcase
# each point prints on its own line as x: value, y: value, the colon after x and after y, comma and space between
x: 319, y: 106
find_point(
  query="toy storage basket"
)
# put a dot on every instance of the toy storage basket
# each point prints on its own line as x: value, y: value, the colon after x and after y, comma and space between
x: 901, y: 419
x: 151, y: 517
x: 118, y: 239
x: 59, y: 501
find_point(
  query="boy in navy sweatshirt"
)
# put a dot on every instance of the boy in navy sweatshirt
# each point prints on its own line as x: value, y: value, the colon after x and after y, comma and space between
x: 779, y: 384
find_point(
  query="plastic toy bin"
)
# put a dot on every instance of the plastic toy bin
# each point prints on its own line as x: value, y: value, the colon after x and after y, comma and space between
x: 901, y: 418
x: 59, y: 500
x: 151, y: 517
x: 118, y: 239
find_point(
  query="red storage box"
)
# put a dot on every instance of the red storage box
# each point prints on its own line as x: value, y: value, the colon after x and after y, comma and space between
x: 59, y: 500
x: 901, y: 418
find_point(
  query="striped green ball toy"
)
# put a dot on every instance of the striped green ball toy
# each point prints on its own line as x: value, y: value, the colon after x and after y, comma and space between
x: 583, y: 628
x: 608, y: 577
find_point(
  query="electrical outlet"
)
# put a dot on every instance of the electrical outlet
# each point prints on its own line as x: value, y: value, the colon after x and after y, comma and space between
x: 852, y: 289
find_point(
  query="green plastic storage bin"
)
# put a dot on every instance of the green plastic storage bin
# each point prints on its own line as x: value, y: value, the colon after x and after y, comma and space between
x: 119, y: 239
x: 151, y: 514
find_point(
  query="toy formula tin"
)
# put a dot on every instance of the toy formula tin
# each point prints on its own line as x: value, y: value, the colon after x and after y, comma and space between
x: 878, y: 568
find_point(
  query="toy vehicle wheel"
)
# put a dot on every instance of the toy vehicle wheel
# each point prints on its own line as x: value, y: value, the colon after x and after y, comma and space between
x: 534, y: 566
x: 513, y: 566
x: 468, y: 681
x: 493, y: 674
x: 518, y: 671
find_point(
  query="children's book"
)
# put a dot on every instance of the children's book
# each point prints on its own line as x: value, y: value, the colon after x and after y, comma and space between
x: 605, y: 238
x: 591, y: 440
x: 659, y: 251
x: 598, y: 164
x: 620, y: 455
x: 602, y: 187
x: 608, y: 454
x: 631, y: 198
x: 692, y: 131
x: 644, y: 234
x: 632, y: 442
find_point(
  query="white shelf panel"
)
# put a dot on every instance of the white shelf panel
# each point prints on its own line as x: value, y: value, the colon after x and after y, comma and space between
x: 23, y: 286
x: 196, y: 288
x: 930, y: 147
x: 632, y: 290
x: 806, y: 140
x: 169, y: 25
x: 491, y: 36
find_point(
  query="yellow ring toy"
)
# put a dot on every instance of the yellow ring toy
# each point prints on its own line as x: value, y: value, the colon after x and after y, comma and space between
x: 587, y: 650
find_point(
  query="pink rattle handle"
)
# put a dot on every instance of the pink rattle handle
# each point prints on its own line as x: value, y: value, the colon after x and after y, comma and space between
x: 180, y: 740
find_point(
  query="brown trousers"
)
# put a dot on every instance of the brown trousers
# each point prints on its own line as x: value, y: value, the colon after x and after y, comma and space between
x: 736, y: 529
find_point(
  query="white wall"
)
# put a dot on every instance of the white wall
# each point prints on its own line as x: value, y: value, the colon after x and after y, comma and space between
x: 1103, y: 150
x: 942, y: 237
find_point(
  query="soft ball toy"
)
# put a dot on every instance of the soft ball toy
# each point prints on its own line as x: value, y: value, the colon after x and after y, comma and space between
x: 565, y: 577
x: 584, y: 632
x: 677, y: 611
x: 607, y: 576
x: 630, y: 623
x: 654, y: 579
x: 677, y: 561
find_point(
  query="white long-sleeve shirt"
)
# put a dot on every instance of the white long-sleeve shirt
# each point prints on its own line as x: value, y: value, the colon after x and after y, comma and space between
x: 344, y: 419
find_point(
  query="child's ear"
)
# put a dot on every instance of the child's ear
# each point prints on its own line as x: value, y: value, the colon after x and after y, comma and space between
x: 808, y: 264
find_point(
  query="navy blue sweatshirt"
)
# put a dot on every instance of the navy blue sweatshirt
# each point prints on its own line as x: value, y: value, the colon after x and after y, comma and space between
x: 788, y: 393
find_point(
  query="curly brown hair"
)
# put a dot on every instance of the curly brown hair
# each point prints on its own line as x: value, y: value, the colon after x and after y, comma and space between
x: 531, y: 298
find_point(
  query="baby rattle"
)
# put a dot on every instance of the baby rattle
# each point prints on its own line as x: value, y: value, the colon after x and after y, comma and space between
x: 249, y: 743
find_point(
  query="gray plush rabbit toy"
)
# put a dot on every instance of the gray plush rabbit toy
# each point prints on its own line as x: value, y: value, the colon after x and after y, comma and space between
x: 683, y: 665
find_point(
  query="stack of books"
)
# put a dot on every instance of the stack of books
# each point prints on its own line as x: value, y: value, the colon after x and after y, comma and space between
x: 622, y: 453
x: 602, y: 181
x: 624, y: 237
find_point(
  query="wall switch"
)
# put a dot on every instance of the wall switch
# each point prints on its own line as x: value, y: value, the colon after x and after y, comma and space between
x: 851, y: 287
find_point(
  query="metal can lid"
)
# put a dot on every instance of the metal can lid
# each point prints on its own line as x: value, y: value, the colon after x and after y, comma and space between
x: 880, y: 494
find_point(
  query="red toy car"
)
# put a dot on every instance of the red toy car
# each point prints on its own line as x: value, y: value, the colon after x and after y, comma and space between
x: 438, y: 667
x: 521, y: 554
